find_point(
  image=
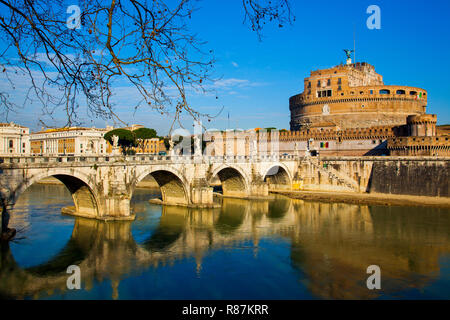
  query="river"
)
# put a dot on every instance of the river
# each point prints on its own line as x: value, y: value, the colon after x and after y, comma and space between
x: 246, y: 249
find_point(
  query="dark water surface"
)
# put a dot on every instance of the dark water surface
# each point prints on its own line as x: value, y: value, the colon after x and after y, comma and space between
x: 268, y: 249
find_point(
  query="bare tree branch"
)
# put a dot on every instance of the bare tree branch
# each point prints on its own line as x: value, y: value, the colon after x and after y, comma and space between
x: 145, y: 45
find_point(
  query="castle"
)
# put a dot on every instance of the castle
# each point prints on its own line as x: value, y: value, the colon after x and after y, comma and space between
x: 353, y: 96
x: 347, y: 110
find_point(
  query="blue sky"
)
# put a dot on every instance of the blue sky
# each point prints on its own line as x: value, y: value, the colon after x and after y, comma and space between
x: 258, y: 77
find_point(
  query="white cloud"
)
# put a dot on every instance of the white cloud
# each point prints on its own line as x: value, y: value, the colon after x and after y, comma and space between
x: 234, y: 64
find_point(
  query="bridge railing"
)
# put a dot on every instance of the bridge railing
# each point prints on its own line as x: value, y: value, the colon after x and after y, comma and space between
x: 101, y: 159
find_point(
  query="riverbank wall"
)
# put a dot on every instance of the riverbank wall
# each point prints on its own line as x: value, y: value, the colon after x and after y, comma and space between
x: 377, y: 176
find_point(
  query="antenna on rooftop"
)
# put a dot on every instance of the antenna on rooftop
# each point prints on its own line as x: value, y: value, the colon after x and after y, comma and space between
x: 354, y: 43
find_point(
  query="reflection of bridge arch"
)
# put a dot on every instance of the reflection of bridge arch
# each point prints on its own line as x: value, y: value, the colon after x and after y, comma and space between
x: 235, y: 182
x: 82, y: 191
x: 171, y: 226
x: 279, y: 208
x: 173, y: 185
x: 278, y: 176
x: 232, y: 216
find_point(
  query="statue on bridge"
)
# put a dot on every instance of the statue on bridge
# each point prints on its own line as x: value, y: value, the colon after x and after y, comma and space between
x: 197, y: 146
x: 115, y: 148
x: 115, y: 140
x: 171, y: 145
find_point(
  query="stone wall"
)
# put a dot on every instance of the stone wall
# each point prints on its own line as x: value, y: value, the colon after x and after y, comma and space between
x: 420, y: 178
x: 417, y: 176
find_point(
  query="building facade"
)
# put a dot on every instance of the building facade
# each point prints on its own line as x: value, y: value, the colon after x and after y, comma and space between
x: 76, y: 141
x: 14, y: 139
x: 152, y: 146
x: 353, y: 96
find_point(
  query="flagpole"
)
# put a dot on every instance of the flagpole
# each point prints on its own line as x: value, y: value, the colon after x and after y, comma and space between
x: 354, y: 43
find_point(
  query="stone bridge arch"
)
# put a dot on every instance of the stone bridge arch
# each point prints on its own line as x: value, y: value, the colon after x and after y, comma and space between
x: 277, y: 175
x: 84, y: 195
x: 172, y: 183
x: 235, y: 182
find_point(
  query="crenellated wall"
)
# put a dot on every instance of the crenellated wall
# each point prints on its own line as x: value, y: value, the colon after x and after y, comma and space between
x: 353, y: 96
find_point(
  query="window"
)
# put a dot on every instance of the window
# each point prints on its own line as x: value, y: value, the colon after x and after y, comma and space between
x: 385, y: 91
x: 339, y: 81
x: 324, y: 93
x: 371, y: 91
x: 309, y: 84
x: 318, y: 83
x: 400, y: 92
x: 413, y: 93
x: 329, y: 82
x: 339, y: 88
x: 11, y: 143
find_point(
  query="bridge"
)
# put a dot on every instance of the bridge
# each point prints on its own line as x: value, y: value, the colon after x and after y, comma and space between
x: 102, y: 186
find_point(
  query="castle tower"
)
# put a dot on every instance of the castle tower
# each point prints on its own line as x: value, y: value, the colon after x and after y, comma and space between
x: 422, y: 125
x: 353, y: 96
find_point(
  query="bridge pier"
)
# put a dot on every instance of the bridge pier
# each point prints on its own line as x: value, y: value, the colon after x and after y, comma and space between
x: 201, y: 193
x: 258, y: 188
x: 117, y: 207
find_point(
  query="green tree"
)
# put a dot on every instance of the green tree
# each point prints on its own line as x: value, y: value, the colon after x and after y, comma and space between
x: 126, y: 141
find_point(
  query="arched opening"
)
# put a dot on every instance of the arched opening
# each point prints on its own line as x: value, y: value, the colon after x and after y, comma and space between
x: 172, y: 190
x: 277, y: 178
x: 232, y: 183
x: 83, y: 198
x: 43, y: 240
x: 385, y: 91
x: 401, y: 92
x: 85, y: 203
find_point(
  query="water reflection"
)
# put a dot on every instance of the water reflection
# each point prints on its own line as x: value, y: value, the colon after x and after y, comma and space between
x: 330, y: 247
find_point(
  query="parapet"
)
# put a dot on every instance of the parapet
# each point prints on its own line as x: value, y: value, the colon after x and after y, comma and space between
x: 422, y: 118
